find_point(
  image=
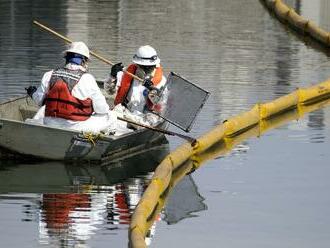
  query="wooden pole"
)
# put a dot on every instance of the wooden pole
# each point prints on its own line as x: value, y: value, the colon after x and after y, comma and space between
x: 66, y: 39
x: 188, y: 138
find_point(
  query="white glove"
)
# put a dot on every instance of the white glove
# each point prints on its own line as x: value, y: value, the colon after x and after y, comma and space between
x: 153, y: 96
x: 110, y: 86
x: 112, y: 121
x: 151, y: 119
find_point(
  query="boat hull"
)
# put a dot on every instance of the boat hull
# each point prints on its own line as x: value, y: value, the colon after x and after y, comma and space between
x: 34, y: 140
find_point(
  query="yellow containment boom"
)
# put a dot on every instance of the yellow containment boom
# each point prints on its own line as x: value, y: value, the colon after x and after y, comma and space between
x: 288, y: 15
x: 216, y: 142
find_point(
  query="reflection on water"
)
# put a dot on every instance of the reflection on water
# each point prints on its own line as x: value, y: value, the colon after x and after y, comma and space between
x: 316, y: 123
x: 183, y: 202
x: 71, y: 203
x: 316, y: 120
x: 73, y: 218
x: 317, y: 11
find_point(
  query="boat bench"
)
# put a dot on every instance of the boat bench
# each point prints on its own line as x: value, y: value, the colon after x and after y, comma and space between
x: 28, y: 111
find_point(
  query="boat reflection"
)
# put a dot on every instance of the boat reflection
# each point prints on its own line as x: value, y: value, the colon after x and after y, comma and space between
x: 72, y: 203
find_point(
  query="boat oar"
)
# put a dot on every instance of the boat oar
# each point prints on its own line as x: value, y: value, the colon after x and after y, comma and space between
x: 66, y: 39
x: 188, y: 138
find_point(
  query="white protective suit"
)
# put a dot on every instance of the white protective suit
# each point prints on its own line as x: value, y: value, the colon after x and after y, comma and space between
x: 102, y: 119
x: 137, y: 99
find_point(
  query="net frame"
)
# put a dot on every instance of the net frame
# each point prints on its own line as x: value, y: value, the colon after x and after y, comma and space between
x: 204, y: 96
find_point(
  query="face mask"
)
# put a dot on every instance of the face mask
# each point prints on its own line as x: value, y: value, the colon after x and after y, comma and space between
x: 148, y: 70
x: 140, y: 73
x: 76, y: 60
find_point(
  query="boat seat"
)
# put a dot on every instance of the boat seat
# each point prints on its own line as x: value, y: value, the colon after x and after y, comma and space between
x: 27, y: 111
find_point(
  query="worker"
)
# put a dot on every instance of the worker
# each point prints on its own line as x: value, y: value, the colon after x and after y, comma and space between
x: 71, y: 97
x: 135, y: 98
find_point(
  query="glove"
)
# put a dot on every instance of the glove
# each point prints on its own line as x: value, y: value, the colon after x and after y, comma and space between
x: 148, y: 84
x: 154, y: 95
x: 115, y: 69
x: 30, y: 90
x: 110, y: 87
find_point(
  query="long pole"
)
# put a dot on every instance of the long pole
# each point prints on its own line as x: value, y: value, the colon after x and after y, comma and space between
x: 188, y: 138
x: 66, y: 39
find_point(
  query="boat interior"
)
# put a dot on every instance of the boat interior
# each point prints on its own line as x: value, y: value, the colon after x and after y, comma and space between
x: 22, y: 108
x: 18, y: 109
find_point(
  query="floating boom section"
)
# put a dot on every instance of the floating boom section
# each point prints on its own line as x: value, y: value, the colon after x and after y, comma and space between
x: 217, y: 142
x: 288, y: 15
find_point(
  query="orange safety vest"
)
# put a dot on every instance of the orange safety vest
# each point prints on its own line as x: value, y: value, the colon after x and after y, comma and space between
x: 127, y: 80
x: 59, y: 100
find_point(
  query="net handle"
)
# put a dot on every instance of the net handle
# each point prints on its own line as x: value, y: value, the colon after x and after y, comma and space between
x: 191, y: 140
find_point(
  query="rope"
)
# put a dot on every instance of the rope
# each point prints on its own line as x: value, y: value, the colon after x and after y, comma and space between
x: 92, y: 137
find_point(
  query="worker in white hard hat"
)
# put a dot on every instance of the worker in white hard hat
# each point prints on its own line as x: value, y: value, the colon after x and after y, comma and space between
x: 139, y: 98
x: 71, y: 97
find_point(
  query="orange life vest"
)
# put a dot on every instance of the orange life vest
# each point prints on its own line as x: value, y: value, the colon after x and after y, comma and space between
x: 127, y: 80
x: 59, y: 100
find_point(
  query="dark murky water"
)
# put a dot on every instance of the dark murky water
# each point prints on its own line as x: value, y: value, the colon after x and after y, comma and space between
x: 269, y: 192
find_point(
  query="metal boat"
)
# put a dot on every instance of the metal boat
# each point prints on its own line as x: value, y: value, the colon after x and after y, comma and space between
x: 19, y: 139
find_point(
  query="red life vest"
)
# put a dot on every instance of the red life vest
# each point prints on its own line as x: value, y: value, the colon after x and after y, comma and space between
x: 127, y: 80
x: 59, y: 100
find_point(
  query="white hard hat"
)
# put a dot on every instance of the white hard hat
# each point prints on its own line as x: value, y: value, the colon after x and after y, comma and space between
x: 78, y: 47
x: 146, y: 55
